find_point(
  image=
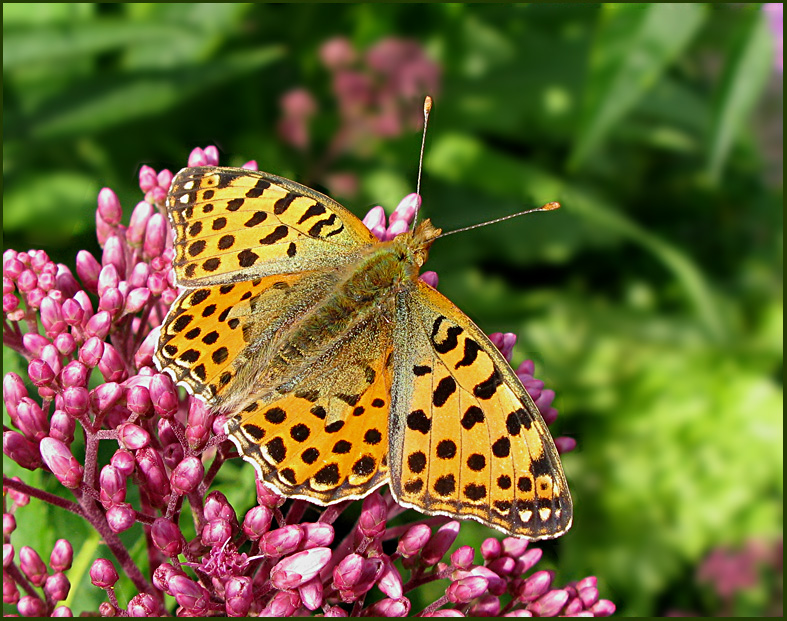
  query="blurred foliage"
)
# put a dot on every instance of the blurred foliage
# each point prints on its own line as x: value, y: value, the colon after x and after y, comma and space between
x: 652, y: 302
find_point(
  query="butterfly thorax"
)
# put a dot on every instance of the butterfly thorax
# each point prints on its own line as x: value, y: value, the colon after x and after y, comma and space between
x: 363, y: 291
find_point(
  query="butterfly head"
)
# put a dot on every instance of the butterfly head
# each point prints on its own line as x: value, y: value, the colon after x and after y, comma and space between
x: 422, y: 237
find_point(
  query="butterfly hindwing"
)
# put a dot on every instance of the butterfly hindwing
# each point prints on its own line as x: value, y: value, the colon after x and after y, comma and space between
x: 233, y: 224
x: 325, y: 438
x: 468, y: 440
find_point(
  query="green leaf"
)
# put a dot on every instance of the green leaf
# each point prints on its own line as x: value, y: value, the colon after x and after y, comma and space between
x: 103, y: 102
x: 748, y: 67
x: 634, y: 45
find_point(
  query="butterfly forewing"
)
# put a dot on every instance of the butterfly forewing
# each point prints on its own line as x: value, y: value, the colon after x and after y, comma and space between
x: 468, y: 440
x: 233, y: 224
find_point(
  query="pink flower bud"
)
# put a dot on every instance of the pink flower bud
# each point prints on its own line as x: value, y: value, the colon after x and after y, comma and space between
x: 88, y: 269
x: 65, y: 344
x: 316, y: 534
x: 91, y: 352
x: 62, y: 555
x: 13, y: 392
x: 430, y: 278
x: 162, y: 575
x: 155, y: 235
x: 163, y: 395
x: 535, y: 586
x: 497, y: 585
x: 32, y: 420
x: 8, y: 555
x: 61, y: 462
x: 257, y: 522
x: 389, y: 608
x: 514, y: 547
x: 34, y: 343
x: 105, y: 396
x: 293, y: 571
x: 199, y: 425
x: 266, y: 496
x: 98, y: 325
x: 139, y: 219
x: 192, y: 596
x: 21, y: 450
x: 9, y: 524
x: 65, y: 281
x: 62, y: 611
x: 218, y: 507
x: 32, y: 566
x: 167, y: 537
x: 120, y: 517
x: 414, y: 540
x: 505, y: 343
x: 463, y: 557
x: 139, y: 275
x: 375, y: 221
x: 491, y: 549
x: 10, y: 303
x: 151, y: 470
x: 238, y: 596
x: 115, y: 255
x: 466, y: 589
x: 281, y: 541
x: 52, y: 317
x: 445, y: 612
x: 112, y: 301
x: 143, y: 605
x: 487, y: 606
x: 250, y: 165
x: 132, y: 437
x: 564, y: 444
x: 390, y: 582
x: 212, y: 155
x: 528, y: 560
x: 440, y: 543
x: 396, y: 229
x: 103, y: 574
x: 30, y: 606
x: 503, y: 566
x: 371, y: 523
x: 112, y: 486
x: 355, y: 575
x: 109, y: 207
x: 187, y: 475
x: 56, y: 587
x: 147, y: 178
x: 406, y: 209
x: 282, y: 604
x: 75, y: 401
x: 123, y: 460
x: 216, y: 533
x: 549, y: 605
x: 337, y: 53
x: 27, y: 281
x: 136, y: 300
x: 108, y: 279
x: 603, y: 608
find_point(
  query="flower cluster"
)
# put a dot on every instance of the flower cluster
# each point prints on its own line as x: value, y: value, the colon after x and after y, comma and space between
x: 378, y: 93
x: 88, y: 338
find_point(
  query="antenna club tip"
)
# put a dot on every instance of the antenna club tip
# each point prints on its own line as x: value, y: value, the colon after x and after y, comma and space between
x: 427, y: 105
x: 551, y: 206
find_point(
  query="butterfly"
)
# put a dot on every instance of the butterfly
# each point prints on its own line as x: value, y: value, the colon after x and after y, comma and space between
x: 338, y: 369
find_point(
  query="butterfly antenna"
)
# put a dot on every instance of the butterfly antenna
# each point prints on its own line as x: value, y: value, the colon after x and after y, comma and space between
x: 427, y: 110
x: 548, y: 207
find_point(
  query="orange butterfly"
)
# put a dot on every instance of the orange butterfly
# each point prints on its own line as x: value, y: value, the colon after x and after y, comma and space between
x: 338, y: 368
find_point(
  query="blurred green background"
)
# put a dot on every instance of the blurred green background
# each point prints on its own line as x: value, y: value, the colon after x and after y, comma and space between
x: 651, y: 302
